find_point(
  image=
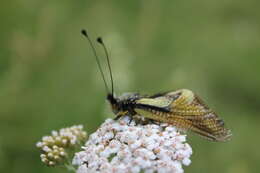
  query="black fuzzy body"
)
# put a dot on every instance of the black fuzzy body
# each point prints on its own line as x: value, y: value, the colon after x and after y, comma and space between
x: 128, y: 104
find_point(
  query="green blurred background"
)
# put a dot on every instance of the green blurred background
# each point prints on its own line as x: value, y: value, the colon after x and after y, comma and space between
x: 49, y: 79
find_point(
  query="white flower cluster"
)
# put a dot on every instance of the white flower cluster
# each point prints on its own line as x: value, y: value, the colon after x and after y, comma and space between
x: 53, y: 155
x: 53, y: 147
x: 120, y: 147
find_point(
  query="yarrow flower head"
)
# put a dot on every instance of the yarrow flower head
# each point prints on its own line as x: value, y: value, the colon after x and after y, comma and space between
x: 56, y: 149
x: 124, y: 146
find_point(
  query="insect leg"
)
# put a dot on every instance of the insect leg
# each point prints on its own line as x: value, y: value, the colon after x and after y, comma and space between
x: 117, y: 117
x: 131, y: 119
x: 120, y: 114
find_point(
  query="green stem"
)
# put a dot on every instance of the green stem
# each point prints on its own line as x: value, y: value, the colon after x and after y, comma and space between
x: 70, y: 168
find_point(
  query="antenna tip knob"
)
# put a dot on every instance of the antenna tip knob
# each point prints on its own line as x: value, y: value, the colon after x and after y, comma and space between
x: 84, y: 32
x: 99, y: 39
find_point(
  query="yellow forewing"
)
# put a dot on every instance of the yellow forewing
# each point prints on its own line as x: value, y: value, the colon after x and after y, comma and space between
x: 185, y: 98
x: 186, y: 111
x: 159, y: 101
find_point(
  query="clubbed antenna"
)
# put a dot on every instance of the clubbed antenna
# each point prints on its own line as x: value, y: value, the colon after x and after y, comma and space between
x: 99, y: 40
x: 84, y: 32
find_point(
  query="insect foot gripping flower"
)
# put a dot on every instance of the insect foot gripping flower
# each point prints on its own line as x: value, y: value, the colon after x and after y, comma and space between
x: 57, y: 148
x: 126, y: 147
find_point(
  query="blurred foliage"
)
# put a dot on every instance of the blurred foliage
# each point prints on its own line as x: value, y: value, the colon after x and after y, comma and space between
x: 49, y: 79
